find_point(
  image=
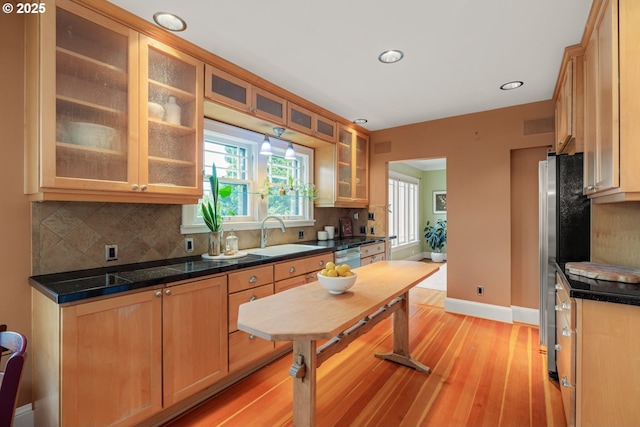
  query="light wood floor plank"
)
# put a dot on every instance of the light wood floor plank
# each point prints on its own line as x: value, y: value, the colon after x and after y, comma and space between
x: 484, y: 373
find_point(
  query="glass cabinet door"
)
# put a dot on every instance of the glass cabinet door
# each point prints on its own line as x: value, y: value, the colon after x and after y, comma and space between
x: 345, y: 164
x: 361, y: 179
x: 95, y: 65
x: 171, y: 120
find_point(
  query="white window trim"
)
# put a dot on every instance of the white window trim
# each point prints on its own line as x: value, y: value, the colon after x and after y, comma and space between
x: 231, y: 133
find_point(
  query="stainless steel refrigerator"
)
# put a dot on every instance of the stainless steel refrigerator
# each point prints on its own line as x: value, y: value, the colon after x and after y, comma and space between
x: 565, y: 234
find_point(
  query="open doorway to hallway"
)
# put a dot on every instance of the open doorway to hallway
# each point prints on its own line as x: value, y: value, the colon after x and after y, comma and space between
x: 417, y: 194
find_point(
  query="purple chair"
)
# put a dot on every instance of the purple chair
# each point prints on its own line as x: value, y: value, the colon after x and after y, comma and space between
x: 13, y: 344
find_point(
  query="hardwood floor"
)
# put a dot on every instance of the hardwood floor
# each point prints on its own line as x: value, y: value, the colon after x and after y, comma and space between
x: 484, y: 373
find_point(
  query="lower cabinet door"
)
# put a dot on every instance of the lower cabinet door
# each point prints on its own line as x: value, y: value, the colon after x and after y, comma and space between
x: 111, y: 361
x: 245, y: 348
x: 194, y: 347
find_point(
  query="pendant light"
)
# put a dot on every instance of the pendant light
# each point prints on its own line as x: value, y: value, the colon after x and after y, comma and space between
x: 290, y: 154
x: 265, y: 149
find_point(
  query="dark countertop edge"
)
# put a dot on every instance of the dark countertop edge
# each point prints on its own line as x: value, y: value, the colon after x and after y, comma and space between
x: 40, y: 282
x: 612, y: 297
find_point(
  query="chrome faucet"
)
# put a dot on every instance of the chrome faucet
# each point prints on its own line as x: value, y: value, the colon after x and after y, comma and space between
x: 263, y: 231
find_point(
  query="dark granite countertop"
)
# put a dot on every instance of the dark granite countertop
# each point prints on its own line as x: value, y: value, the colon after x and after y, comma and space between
x: 601, y: 290
x: 83, y: 284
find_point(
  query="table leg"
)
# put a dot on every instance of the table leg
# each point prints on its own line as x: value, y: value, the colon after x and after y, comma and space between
x: 304, y: 387
x: 401, y: 352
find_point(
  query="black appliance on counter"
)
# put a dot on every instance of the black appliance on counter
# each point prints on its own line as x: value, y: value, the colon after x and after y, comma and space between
x: 565, y: 234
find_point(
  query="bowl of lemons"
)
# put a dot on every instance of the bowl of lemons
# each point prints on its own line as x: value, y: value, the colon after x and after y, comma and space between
x: 337, y: 278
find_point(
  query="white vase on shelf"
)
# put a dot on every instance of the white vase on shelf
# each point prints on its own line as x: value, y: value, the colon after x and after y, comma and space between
x: 172, y: 111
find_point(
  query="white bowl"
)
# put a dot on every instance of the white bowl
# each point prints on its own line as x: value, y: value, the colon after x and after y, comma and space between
x: 337, y: 285
x: 91, y: 134
x: 156, y: 111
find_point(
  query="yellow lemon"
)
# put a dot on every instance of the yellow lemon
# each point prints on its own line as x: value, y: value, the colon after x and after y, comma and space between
x: 332, y: 273
x: 323, y: 272
x: 346, y: 267
x: 340, y: 270
x: 330, y: 266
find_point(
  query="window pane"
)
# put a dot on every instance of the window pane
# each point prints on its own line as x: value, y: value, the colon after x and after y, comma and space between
x: 287, y: 179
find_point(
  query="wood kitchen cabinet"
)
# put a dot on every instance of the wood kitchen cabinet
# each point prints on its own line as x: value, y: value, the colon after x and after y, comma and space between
x: 304, y: 120
x: 227, y: 89
x: 246, y: 286
x: 596, y: 356
x: 611, y: 108
x: 97, y: 363
x: 194, y: 337
x: 569, y: 108
x: 117, y: 361
x: 372, y: 252
x: 90, y: 135
x: 342, y: 171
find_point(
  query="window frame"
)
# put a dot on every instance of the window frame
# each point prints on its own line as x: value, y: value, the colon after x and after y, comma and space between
x: 192, y: 223
x: 407, y: 216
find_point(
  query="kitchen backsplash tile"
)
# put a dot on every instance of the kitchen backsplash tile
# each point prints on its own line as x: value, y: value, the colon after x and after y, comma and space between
x: 70, y: 236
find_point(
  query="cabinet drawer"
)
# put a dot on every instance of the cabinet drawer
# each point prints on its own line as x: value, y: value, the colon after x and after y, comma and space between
x: 283, y: 285
x: 297, y: 267
x: 250, y: 278
x: 245, y: 296
x: 371, y: 249
x: 245, y: 348
x: 371, y: 259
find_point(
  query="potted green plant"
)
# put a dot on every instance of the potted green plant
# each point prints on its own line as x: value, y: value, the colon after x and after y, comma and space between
x: 436, y: 236
x: 212, y: 212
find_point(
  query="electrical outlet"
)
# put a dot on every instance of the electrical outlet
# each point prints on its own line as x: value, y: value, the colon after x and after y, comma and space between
x: 372, y: 231
x: 480, y: 290
x: 110, y: 252
x: 300, y: 234
x: 372, y: 216
x: 188, y: 244
x: 363, y: 229
x: 355, y: 215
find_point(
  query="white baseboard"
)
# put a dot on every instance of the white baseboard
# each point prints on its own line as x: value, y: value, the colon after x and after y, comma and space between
x: 23, y: 416
x: 530, y: 316
x: 476, y: 309
x: 492, y: 312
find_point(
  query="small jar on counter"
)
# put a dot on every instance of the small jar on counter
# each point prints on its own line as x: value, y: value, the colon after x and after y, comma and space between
x: 231, y: 244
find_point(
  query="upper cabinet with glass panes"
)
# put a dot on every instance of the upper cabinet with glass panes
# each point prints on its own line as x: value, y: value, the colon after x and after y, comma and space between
x: 103, y: 106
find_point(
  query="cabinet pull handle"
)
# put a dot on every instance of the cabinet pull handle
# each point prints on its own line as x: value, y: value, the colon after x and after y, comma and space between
x: 167, y: 292
x: 253, y: 279
x: 292, y: 270
x: 565, y: 382
x: 143, y: 187
x: 558, y: 308
x: 566, y: 332
x: 321, y: 262
x: 251, y: 336
x: 558, y: 347
x: 159, y: 294
x: 253, y: 298
x: 566, y: 305
x: 135, y: 187
x: 558, y: 286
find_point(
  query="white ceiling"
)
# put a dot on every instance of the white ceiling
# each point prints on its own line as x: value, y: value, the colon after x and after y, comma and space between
x: 457, y: 52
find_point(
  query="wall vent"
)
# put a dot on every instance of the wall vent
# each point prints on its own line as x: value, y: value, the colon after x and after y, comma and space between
x: 382, y: 147
x: 537, y: 126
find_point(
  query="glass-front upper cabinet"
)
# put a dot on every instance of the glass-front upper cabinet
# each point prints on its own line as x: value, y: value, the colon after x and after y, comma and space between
x: 118, y: 117
x: 171, y: 119
x: 352, y: 166
x: 95, y: 101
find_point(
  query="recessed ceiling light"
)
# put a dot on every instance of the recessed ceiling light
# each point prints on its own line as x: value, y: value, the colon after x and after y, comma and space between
x: 390, y: 56
x: 360, y: 121
x: 511, y: 85
x: 169, y: 21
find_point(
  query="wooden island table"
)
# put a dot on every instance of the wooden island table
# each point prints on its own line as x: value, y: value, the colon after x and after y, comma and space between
x: 309, y: 313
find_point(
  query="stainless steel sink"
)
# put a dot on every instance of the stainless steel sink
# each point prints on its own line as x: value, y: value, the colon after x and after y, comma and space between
x: 285, y: 249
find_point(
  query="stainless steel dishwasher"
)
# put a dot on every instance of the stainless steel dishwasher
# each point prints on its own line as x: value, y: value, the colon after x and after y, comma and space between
x: 349, y: 256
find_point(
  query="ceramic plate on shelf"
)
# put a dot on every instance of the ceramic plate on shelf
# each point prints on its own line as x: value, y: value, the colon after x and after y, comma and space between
x: 224, y: 257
